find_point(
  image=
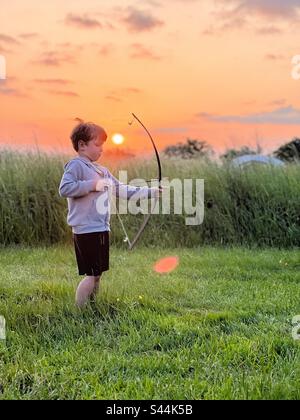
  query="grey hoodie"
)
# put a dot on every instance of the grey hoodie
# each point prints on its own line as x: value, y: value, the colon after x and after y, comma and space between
x: 77, y: 185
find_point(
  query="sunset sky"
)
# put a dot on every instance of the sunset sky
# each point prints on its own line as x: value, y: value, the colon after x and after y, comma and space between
x: 215, y: 70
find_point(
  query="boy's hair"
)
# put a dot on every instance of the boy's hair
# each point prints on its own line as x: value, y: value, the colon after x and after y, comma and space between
x: 85, y: 131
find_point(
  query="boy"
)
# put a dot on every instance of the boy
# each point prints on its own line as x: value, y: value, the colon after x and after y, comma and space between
x: 83, y: 182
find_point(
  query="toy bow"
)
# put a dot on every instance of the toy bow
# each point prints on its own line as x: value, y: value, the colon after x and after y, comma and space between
x: 132, y: 243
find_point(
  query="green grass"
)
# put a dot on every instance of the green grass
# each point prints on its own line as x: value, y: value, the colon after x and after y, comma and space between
x: 257, y: 208
x: 219, y: 327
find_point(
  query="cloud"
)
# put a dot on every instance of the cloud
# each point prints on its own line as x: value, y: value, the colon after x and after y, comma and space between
x: 132, y: 90
x: 277, y: 102
x: 237, y: 14
x: 210, y: 31
x: 143, y: 53
x: 274, y: 57
x: 170, y: 130
x: 141, y: 21
x: 6, y: 91
x: 117, y: 95
x: 157, y: 4
x: 248, y: 103
x: 286, y: 9
x: 269, y: 30
x: 113, y: 98
x: 54, y: 59
x: 64, y: 93
x: 285, y: 116
x: 106, y: 50
x: 29, y: 35
x: 53, y: 81
x: 235, y: 23
x: 278, y: 9
x: 83, y: 22
x: 9, y: 40
x: 153, y: 3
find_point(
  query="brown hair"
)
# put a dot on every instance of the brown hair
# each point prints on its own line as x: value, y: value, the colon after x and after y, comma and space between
x: 85, y: 131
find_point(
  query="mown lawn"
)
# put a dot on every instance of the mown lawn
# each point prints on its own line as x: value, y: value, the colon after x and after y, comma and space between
x: 218, y: 327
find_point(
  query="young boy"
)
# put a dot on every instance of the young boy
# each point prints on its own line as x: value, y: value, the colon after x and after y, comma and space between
x: 83, y: 182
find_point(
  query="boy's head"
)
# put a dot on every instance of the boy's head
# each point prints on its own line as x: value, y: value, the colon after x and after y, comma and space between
x: 87, y: 139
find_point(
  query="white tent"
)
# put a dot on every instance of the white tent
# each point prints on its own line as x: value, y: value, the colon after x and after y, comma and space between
x: 246, y: 160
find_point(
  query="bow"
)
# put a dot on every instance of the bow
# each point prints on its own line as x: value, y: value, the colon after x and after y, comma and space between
x: 132, y: 243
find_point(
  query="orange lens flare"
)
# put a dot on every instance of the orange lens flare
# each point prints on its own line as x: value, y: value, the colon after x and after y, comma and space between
x: 166, y: 265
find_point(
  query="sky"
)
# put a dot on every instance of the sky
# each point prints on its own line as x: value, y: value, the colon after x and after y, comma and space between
x: 213, y: 70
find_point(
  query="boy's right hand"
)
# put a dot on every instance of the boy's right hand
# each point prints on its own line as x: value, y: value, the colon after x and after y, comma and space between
x: 102, y: 184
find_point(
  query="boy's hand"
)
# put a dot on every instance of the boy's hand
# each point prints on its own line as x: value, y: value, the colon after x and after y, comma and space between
x: 102, y: 184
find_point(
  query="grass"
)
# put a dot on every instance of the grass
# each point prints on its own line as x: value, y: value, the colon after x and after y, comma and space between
x: 219, y: 327
x: 257, y: 208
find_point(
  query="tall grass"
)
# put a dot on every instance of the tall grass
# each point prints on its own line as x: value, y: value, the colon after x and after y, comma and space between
x: 254, y: 207
x: 31, y: 211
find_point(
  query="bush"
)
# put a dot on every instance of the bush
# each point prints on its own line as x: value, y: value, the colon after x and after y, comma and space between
x: 231, y: 154
x: 289, y: 152
x: 189, y: 150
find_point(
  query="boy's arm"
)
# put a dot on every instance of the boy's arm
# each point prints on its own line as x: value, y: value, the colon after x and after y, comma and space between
x: 71, y: 187
x: 128, y: 191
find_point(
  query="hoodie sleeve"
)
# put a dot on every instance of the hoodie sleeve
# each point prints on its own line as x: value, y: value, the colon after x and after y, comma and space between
x: 128, y: 191
x: 70, y: 186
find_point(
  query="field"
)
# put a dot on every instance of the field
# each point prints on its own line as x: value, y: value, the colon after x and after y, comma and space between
x: 257, y: 208
x: 218, y: 327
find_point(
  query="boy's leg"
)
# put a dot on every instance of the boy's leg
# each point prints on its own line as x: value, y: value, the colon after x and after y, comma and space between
x: 85, y: 290
x: 96, y: 288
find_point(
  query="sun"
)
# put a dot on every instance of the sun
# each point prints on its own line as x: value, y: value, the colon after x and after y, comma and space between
x: 118, y: 139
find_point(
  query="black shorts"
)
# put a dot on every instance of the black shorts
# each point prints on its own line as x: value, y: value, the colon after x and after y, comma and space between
x: 92, y: 252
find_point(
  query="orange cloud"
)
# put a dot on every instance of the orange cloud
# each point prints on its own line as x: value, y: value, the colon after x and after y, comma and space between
x: 53, y: 81
x: 106, y: 50
x: 64, y: 93
x: 275, y: 57
x: 282, y: 10
x: 141, y: 52
x: 269, y: 30
x: 9, y: 40
x: 6, y: 91
x: 54, y: 58
x: 113, y: 98
x: 139, y: 21
x: 29, y: 35
x: 281, y: 116
x: 83, y: 22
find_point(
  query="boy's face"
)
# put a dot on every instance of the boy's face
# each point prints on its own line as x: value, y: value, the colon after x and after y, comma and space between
x: 93, y: 149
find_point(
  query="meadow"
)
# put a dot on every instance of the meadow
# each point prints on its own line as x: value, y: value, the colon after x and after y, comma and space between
x: 255, y: 208
x: 218, y: 327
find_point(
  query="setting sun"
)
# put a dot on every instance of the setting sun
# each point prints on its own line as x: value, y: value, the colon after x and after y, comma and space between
x: 118, y: 139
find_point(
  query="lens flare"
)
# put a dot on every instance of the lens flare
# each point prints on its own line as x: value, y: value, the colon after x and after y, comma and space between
x: 166, y: 265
